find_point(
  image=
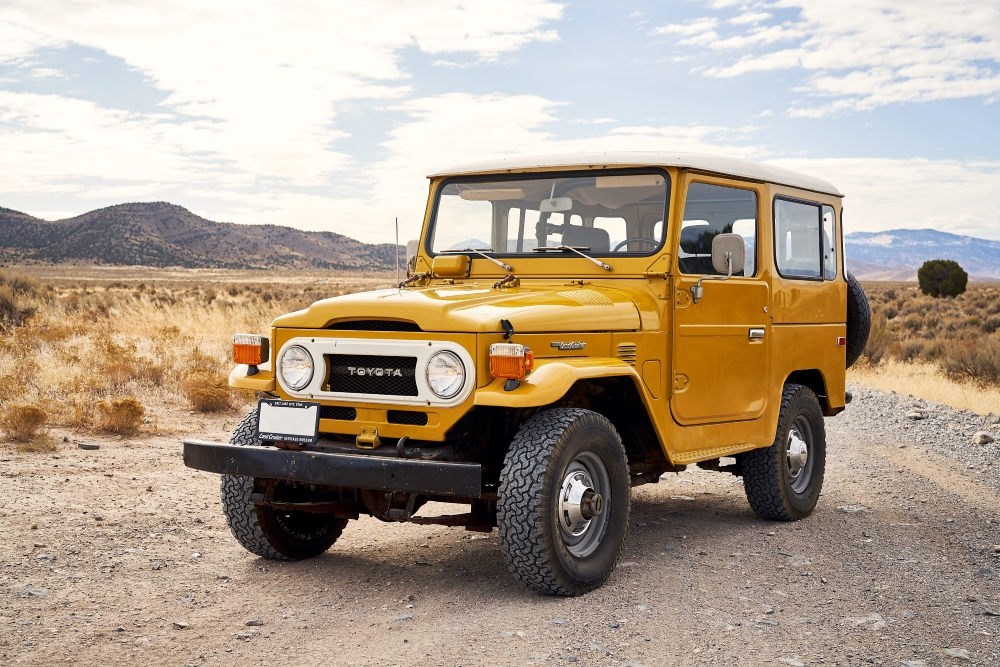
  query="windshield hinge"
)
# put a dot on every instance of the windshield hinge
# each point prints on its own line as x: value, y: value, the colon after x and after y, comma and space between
x: 509, y: 280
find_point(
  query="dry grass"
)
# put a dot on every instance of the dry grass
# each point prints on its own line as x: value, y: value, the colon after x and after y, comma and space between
x: 209, y: 391
x: 111, y: 355
x: 943, y: 349
x: 21, y: 421
x: 122, y: 415
x: 926, y: 381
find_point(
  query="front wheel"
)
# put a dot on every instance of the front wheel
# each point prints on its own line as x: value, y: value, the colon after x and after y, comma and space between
x: 266, y: 531
x: 564, y: 502
x: 783, y: 481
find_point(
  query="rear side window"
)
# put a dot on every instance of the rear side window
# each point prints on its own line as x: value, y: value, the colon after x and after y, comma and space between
x: 797, y: 243
x: 829, y: 243
x: 711, y: 210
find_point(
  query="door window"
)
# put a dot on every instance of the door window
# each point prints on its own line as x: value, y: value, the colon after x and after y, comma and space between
x: 711, y: 210
x: 797, y: 239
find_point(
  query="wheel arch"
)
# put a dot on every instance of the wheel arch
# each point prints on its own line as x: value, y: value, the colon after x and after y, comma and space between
x: 616, y: 398
x: 814, y: 379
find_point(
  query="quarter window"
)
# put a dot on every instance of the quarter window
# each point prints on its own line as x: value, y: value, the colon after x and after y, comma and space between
x: 711, y: 210
x: 797, y: 239
x: 829, y: 243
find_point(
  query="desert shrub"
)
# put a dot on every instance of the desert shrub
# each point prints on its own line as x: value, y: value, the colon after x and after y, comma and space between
x: 890, y: 311
x: 975, y: 360
x: 198, y: 360
x: 121, y: 415
x: 120, y: 362
x: 208, y: 391
x: 906, y: 350
x: 22, y: 421
x: 14, y: 311
x: 879, y: 339
x: 942, y: 277
x: 19, y: 283
x: 913, y: 322
x: 10, y: 386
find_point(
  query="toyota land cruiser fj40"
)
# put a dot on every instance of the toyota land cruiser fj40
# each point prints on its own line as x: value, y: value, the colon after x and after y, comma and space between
x: 570, y: 327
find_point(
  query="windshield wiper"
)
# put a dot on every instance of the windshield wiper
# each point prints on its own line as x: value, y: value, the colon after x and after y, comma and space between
x: 508, y: 267
x: 577, y: 249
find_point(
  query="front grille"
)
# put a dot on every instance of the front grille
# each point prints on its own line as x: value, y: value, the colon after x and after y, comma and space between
x: 408, y: 417
x: 375, y: 325
x: 372, y: 374
x: 626, y: 352
x: 338, y: 412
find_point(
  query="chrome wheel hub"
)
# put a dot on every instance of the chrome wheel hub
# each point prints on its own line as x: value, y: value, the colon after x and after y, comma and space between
x: 579, y: 503
x: 798, y: 453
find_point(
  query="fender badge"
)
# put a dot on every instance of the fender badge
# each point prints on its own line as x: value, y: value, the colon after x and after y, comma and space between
x: 576, y: 345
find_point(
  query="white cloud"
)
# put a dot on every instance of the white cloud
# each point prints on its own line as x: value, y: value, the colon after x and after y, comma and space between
x: 862, y: 54
x: 696, y: 27
x: 253, y: 94
x: 881, y: 194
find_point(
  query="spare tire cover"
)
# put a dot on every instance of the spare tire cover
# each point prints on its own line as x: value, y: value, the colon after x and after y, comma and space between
x: 859, y: 319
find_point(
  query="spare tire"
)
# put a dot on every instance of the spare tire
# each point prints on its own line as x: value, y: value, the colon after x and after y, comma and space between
x: 859, y: 319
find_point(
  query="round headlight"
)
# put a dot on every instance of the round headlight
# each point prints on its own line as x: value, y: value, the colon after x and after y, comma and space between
x: 296, y: 367
x: 445, y: 374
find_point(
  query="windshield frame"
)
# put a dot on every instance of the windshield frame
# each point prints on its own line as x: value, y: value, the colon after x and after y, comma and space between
x: 542, y: 175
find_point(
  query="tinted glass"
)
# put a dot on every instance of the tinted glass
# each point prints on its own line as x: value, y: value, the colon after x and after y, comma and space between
x: 600, y: 214
x: 711, y: 210
x: 796, y: 239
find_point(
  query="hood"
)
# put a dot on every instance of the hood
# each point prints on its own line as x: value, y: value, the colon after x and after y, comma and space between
x: 473, y: 309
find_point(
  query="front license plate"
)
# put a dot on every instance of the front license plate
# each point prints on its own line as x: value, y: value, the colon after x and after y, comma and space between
x: 288, y: 421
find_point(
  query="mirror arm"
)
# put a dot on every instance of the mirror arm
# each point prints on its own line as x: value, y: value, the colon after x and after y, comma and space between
x: 697, y: 291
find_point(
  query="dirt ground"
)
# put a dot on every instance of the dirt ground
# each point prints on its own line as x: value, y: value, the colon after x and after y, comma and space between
x: 121, y: 556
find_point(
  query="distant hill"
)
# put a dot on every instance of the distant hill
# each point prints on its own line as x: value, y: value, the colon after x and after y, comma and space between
x: 897, y: 254
x: 161, y: 234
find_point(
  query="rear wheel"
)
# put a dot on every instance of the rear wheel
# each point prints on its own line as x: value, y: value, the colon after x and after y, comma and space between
x: 783, y: 481
x: 266, y: 531
x: 564, y: 502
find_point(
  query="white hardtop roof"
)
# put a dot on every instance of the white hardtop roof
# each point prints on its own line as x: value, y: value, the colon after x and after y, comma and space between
x: 715, y: 164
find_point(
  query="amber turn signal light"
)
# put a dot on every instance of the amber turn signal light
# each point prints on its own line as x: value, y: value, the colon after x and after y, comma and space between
x: 251, y: 349
x: 511, y: 360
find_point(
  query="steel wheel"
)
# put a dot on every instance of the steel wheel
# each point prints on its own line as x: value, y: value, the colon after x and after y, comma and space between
x: 799, y: 454
x: 584, y: 504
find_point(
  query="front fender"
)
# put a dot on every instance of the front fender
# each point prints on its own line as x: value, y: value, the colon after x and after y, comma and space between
x: 262, y: 381
x: 550, y: 381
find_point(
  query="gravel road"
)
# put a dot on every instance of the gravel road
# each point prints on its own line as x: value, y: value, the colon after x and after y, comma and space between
x: 121, y: 555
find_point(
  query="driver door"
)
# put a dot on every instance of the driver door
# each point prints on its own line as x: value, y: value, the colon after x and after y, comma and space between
x: 720, y: 343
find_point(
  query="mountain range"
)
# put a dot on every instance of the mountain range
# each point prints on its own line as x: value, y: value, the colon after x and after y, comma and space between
x: 161, y: 234
x: 897, y: 254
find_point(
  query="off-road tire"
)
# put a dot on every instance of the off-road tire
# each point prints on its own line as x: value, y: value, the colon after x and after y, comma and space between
x: 859, y: 319
x: 765, y: 473
x: 530, y: 538
x: 258, y: 529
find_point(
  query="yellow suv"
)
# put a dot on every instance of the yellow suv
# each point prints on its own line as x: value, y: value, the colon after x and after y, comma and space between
x: 570, y: 327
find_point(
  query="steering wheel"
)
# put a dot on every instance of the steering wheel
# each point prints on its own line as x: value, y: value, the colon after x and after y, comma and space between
x: 627, y: 241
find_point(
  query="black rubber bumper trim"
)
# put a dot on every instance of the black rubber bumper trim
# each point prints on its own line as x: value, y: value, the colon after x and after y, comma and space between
x: 346, y: 470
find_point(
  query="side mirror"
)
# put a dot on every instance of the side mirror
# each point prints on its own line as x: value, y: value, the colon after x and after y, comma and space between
x: 411, y: 256
x: 728, y: 257
x: 728, y: 254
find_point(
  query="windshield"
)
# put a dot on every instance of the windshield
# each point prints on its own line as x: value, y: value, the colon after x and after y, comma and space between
x: 602, y: 215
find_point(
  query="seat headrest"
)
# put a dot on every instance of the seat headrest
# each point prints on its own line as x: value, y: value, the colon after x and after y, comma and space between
x: 697, y: 239
x: 594, y: 238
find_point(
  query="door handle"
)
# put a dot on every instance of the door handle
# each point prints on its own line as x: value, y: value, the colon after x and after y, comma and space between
x: 756, y: 334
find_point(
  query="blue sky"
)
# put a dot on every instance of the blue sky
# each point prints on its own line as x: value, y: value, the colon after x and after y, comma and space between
x: 328, y: 116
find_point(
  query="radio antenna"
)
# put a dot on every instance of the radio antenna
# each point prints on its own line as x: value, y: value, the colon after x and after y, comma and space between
x: 397, y: 250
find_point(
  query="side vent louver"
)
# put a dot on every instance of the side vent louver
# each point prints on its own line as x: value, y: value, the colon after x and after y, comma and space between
x: 626, y: 352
